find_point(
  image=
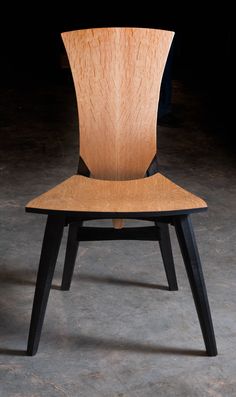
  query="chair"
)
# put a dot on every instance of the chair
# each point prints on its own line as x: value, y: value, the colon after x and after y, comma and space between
x: 117, y: 74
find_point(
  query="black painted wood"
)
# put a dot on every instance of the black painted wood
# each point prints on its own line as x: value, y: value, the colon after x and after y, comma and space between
x: 51, y: 244
x: 71, y: 253
x: 153, y: 167
x: 163, y: 219
x: 82, y: 168
x: 149, y: 233
x: 167, y: 256
x: 49, y: 253
x: 115, y: 215
x: 187, y: 242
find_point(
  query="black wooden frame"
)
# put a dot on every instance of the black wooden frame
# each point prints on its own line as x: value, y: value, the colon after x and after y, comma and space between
x: 159, y: 232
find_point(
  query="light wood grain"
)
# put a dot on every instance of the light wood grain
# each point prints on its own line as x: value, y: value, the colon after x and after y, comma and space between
x: 153, y: 194
x: 118, y: 223
x: 117, y: 74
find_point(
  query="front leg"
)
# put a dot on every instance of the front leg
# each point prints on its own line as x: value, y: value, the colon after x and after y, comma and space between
x: 49, y: 253
x: 188, y: 246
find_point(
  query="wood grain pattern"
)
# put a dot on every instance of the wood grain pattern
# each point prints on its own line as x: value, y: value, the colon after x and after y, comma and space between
x: 117, y: 74
x: 118, y: 223
x: 153, y: 194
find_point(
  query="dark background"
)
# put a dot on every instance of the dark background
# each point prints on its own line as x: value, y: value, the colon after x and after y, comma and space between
x: 31, y: 47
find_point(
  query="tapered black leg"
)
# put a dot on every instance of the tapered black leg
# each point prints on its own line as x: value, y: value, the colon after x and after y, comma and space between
x: 71, y: 253
x: 192, y: 262
x: 49, y: 253
x: 166, y: 252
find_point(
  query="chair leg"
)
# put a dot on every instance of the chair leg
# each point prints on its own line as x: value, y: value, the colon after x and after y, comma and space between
x: 49, y: 253
x: 188, y: 246
x: 71, y: 253
x: 166, y: 252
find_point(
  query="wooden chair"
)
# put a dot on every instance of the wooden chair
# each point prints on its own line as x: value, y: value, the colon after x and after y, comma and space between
x: 117, y: 74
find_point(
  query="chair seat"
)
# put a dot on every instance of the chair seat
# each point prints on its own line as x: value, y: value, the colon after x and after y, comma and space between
x: 155, y: 194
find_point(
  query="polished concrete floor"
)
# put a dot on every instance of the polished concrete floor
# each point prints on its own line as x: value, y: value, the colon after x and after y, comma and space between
x: 118, y: 332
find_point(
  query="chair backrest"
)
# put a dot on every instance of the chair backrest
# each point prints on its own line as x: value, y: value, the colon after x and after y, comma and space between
x: 117, y: 74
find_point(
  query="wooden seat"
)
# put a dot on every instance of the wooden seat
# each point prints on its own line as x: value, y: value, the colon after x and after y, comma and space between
x: 117, y: 75
x: 80, y: 194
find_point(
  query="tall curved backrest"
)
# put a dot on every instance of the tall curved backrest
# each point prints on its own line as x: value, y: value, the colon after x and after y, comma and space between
x: 117, y: 74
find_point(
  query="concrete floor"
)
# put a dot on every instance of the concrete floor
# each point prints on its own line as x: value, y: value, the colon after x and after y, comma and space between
x: 118, y: 332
